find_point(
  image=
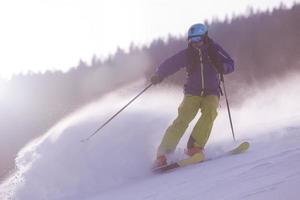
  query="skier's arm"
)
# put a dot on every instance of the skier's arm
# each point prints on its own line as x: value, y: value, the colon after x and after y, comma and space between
x: 171, y: 65
x: 226, y: 60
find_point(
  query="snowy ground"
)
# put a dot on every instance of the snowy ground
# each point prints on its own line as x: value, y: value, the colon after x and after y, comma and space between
x: 115, y: 163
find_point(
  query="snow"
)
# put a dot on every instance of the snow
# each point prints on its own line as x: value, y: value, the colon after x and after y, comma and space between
x: 115, y: 163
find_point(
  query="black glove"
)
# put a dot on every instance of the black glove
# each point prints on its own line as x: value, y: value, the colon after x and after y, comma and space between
x: 155, y: 79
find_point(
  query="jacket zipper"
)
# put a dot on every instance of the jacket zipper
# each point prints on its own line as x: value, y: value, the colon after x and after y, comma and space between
x: 202, y: 74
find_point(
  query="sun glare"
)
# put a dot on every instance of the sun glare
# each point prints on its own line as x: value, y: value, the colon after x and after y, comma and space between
x: 41, y: 35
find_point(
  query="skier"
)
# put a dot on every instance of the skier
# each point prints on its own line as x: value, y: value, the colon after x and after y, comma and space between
x: 205, y: 62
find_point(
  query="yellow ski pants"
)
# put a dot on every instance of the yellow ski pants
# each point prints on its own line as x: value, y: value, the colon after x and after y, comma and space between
x: 187, y: 111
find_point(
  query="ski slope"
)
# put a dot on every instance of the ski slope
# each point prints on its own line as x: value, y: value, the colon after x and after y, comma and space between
x: 115, y: 163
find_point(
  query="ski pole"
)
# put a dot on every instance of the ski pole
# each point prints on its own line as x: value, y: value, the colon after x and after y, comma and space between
x: 105, y: 123
x: 228, y: 108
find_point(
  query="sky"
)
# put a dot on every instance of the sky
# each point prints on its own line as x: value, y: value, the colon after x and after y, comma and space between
x: 39, y: 35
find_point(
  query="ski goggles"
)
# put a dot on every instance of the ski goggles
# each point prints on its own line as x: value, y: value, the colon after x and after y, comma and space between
x: 196, y: 39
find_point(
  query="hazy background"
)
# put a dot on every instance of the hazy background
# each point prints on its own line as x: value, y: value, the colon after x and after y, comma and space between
x: 45, y: 35
x: 264, y: 44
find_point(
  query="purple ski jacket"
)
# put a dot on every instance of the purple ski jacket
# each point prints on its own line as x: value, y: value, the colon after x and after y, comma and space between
x: 202, y: 79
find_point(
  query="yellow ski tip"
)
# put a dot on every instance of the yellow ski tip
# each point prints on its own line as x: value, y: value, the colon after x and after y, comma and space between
x: 241, y: 148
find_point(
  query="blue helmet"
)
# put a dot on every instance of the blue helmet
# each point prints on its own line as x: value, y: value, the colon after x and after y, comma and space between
x: 197, y: 32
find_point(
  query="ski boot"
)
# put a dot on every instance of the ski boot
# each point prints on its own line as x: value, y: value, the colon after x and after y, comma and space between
x: 196, y: 155
x: 160, y: 161
x: 193, y: 150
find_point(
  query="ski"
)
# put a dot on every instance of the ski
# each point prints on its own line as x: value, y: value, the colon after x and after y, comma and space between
x: 199, y: 157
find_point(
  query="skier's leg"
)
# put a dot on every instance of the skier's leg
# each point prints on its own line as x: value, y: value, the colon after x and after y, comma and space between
x: 203, y: 127
x: 187, y: 110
